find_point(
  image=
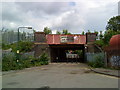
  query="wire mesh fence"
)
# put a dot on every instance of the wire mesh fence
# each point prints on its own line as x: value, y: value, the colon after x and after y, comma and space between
x: 11, y: 36
x: 91, y: 56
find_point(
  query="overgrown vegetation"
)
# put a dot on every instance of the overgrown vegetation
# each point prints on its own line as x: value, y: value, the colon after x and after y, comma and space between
x: 112, y: 28
x: 10, y: 62
x: 22, y: 46
x: 97, y: 62
x: 5, y: 46
x: 104, y: 39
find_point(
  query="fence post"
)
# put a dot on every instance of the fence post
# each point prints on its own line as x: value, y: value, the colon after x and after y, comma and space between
x: 105, y: 59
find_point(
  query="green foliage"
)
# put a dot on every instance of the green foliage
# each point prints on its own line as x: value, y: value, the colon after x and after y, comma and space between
x: 101, y: 35
x: 114, y: 24
x: 25, y: 62
x: 89, y: 31
x: 35, y: 61
x: 22, y: 46
x: 5, y: 46
x: 83, y: 33
x: 105, y: 39
x: 79, y: 52
x: 9, y: 61
x: 107, y: 36
x: 97, y: 62
x: 44, y: 59
x: 65, y: 31
x: 96, y: 32
x: 58, y: 32
x: 99, y: 43
x: 47, y: 30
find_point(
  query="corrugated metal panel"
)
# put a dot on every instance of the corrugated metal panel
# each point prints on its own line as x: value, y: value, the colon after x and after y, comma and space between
x: 55, y: 39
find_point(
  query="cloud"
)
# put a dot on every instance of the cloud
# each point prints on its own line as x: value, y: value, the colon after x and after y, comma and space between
x: 74, y: 16
x: 70, y: 20
x: 98, y: 17
x: 50, y: 8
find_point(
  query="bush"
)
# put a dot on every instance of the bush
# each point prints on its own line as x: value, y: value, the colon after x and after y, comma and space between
x: 44, y: 59
x: 5, y: 46
x: 23, y: 46
x: 25, y: 62
x: 97, y: 62
x: 35, y: 61
x: 9, y: 62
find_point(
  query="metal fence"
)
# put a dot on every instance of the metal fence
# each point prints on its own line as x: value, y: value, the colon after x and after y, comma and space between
x: 91, y: 56
x: 22, y: 55
x: 109, y: 60
x: 11, y: 36
x: 27, y: 54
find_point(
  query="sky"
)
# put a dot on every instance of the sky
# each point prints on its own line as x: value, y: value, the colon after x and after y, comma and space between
x: 75, y: 16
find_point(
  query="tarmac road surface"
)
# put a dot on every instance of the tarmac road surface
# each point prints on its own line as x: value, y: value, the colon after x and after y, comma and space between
x: 58, y: 75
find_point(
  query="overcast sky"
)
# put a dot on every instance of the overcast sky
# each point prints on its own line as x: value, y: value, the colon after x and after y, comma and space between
x: 74, y: 16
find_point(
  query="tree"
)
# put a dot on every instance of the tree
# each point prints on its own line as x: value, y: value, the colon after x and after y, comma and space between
x: 83, y: 33
x: 58, y: 32
x: 101, y: 35
x: 112, y: 28
x: 108, y: 34
x: 89, y: 31
x: 34, y: 31
x: 47, y: 30
x: 65, y: 31
x: 96, y: 32
x: 113, y: 24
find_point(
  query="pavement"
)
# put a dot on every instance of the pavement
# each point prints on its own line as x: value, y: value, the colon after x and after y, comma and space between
x: 104, y: 71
